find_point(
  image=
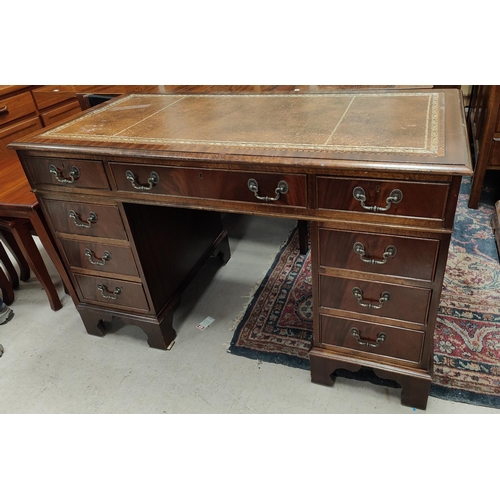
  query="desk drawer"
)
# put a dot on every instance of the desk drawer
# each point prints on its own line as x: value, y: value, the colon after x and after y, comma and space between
x: 12, y: 108
x: 384, y: 197
x: 210, y: 184
x: 379, y: 253
x: 100, y: 257
x: 15, y: 131
x: 377, y: 299
x: 61, y: 112
x: 372, y: 338
x: 113, y: 292
x: 86, y: 219
x: 67, y: 173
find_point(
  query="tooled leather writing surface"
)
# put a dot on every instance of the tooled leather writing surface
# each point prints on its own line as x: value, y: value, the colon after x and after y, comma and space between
x: 372, y: 123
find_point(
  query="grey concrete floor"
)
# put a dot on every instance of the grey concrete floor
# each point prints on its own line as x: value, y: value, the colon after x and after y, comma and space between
x: 52, y: 366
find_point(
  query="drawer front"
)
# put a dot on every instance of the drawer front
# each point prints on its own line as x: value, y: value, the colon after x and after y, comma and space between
x: 369, y: 337
x: 67, y: 173
x: 112, y: 292
x: 61, y: 112
x: 384, y: 197
x: 495, y: 153
x: 86, y: 219
x: 11, y: 133
x: 377, y: 299
x: 212, y: 184
x: 12, y: 108
x: 100, y: 257
x: 379, y: 253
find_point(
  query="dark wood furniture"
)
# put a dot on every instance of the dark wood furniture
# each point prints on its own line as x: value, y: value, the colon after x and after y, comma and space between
x: 483, y: 122
x: 130, y: 185
x: 495, y: 223
x: 7, y: 284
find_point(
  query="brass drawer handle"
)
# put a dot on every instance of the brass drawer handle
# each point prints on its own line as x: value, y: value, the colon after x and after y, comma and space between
x: 91, y: 220
x: 104, y: 292
x: 381, y: 337
x: 384, y: 297
x: 101, y: 262
x: 395, y: 197
x: 154, y: 178
x: 390, y: 252
x: 282, y: 188
x: 4, y: 109
x: 74, y: 174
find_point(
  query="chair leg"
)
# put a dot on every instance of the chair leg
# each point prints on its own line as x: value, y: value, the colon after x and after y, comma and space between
x: 40, y: 226
x: 11, y: 270
x: 22, y: 233
x: 6, y: 287
x: 10, y: 241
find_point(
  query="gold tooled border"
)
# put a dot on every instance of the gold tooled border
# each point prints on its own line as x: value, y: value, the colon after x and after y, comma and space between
x: 434, y: 136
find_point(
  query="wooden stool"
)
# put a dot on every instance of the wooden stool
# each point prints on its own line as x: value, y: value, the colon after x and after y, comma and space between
x: 22, y: 231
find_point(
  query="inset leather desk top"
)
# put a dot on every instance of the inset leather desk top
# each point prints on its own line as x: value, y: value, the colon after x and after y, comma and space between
x: 423, y: 126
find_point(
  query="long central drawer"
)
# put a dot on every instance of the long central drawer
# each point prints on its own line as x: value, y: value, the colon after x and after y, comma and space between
x: 212, y: 184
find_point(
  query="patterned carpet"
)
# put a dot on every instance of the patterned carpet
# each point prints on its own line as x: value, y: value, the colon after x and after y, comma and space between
x: 277, y: 325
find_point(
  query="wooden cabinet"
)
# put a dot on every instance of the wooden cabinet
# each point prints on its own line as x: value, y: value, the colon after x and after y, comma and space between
x: 18, y: 117
x: 483, y: 121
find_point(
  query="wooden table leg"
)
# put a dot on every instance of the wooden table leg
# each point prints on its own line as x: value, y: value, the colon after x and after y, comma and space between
x: 43, y: 233
x: 24, y: 268
x: 9, y: 267
x: 6, y: 287
x: 21, y: 231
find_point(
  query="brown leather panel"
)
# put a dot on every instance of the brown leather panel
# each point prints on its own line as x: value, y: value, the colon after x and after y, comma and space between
x: 354, y: 122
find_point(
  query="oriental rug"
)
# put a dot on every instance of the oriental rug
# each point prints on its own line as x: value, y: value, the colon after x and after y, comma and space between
x: 277, y: 325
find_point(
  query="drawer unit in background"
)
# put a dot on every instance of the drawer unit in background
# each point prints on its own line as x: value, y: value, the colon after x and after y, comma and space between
x: 16, y: 106
x: 55, y: 105
x: 18, y: 117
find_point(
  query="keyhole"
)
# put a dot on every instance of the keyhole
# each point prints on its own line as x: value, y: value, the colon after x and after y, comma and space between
x: 377, y: 189
x: 201, y: 175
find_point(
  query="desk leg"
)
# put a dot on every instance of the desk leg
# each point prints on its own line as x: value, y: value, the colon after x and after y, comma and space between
x: 160, y: 333
x: 415, y: 386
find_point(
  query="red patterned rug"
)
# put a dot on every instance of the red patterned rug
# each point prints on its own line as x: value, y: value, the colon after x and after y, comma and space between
x: 277, y: 325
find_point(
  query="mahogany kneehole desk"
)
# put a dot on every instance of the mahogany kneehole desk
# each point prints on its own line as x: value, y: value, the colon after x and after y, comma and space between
x: 133, y: 191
